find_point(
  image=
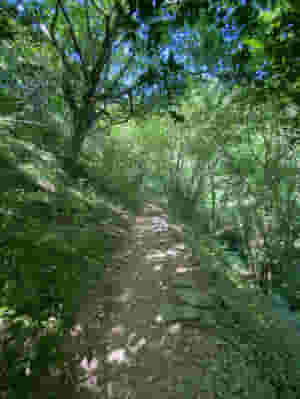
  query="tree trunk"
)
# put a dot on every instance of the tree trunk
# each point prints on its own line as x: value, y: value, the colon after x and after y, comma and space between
x: 83, y: 122
x: 77, y: 143
x: 70, y: 160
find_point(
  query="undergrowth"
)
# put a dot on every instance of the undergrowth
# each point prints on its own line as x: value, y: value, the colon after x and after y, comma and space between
x: 235, y: 188
x: 258, y: 347
x: 57, y: 234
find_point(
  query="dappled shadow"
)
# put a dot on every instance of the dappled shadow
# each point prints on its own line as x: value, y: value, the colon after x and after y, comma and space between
x: 124, y: 347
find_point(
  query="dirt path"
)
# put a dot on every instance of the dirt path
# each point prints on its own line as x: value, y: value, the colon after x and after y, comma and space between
x: 132, y: 352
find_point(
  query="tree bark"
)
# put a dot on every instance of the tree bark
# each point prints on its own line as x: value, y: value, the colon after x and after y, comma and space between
x: 77, y: 143
x: 84, y: 120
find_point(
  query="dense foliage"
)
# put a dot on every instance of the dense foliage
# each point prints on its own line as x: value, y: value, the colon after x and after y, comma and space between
x: 98, y: 108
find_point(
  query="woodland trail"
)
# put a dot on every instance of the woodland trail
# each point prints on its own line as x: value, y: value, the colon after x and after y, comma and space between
x: 130, y: 352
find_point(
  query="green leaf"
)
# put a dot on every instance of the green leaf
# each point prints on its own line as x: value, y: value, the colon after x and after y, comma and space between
x: 186, y: 312
x: 3, y: 312
x: 195, y: 298
x: 8, y: 104
x: 168, y: 312
x: 183, y: 282
x: 254, y: 43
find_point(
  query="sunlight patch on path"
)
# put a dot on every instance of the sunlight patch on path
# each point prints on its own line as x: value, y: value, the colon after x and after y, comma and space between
x: 126, y: 296
x: 155, y: 224
x: 145, y: 355
x: 118, y: 356
x: 157, y: 254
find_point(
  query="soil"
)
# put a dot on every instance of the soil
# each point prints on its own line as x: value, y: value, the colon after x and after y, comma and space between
x: 126, y: 349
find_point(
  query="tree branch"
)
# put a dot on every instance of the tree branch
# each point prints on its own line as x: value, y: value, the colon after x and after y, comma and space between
x: 66, y: 86
x: 61, y: 52
x: 105, y: 57
x: 74, y: 39
x: 111, y: 96
x: 130, y: 102
x: 100, y: 10
x: 87, y: 17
